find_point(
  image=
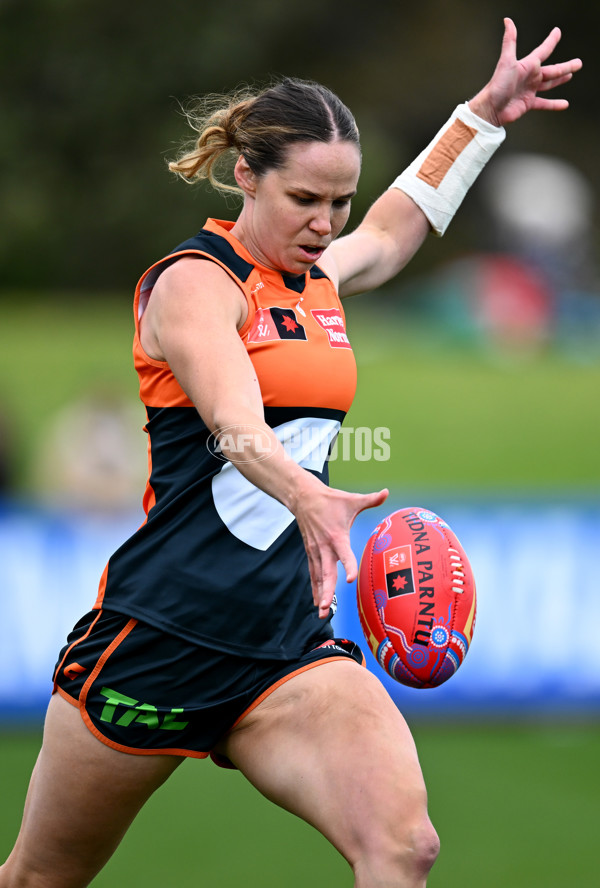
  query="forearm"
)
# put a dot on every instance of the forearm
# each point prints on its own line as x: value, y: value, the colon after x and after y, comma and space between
x: 391, y: 233
x: 422, y: 199
x: 439, y: 178
x: 252, y: 446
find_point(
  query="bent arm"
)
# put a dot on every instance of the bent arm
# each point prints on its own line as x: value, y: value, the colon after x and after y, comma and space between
x: 386, y: 240
x: 192, y: 322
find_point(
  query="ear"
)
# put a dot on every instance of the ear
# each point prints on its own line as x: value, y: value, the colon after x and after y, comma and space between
x: 244, y: 176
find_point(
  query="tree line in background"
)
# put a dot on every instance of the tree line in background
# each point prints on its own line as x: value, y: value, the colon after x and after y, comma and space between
x: 91, y: 92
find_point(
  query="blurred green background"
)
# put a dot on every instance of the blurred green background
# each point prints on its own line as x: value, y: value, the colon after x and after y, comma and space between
x: 91, y: 96
x: 89, y: 114
x: 461, y: 418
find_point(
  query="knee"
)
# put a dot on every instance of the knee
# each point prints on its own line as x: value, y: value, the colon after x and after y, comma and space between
x: 424, y: 849
x: 402, y: 855
x: 415, y: 850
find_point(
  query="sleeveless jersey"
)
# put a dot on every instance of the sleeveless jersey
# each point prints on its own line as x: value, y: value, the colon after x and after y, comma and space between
x: 218, y: 561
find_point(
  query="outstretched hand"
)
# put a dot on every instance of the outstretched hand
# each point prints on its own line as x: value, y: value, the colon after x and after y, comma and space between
x: 324, y: 521
x: 514, y: 86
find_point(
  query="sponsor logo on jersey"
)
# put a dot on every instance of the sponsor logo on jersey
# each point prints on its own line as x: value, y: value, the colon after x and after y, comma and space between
x: 331, y: 320
x: 276, y: 323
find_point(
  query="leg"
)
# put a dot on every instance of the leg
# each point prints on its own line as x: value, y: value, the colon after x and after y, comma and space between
x: 330, y: 746
x: 82, y: 797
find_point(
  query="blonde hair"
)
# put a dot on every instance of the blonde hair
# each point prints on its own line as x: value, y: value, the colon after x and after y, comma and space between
x: 260, y: 126
x: 217, y: 120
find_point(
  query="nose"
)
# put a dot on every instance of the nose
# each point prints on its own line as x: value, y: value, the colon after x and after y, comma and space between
x: 321, y: 221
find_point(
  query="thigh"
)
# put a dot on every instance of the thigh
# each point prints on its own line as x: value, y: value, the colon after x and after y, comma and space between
x: 330, y: 746
x: 82, y: 797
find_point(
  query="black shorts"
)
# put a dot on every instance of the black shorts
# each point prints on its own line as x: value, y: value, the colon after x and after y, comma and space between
x: 143, y: 691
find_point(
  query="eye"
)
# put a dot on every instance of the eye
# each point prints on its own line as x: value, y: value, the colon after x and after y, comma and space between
x: 342, y: 203
x: 303, y: 201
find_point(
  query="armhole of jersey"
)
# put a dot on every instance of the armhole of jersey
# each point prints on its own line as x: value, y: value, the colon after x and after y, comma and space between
x: 340, y: 302
x: 148, y: 281
x: 250, y: 317
x: 332, y: 278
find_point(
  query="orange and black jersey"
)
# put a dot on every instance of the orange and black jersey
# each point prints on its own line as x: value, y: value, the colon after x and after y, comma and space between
x: 218, y: 561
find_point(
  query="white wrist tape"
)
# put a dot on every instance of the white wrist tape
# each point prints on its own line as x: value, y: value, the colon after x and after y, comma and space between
x: 439, y: 178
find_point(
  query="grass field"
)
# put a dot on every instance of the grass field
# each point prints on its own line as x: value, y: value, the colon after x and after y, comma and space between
x: 515, y: 805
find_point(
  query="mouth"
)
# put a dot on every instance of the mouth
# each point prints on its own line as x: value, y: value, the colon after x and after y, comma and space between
x: 312, y: 251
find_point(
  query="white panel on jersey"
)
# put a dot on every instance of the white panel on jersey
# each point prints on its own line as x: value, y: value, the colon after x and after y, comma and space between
x: 251, y: 514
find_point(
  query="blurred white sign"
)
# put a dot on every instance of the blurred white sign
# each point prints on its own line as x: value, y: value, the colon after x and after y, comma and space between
x: 536, y: 639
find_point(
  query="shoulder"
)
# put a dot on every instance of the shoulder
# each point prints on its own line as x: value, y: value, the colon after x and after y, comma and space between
x: 199, y: 282
x: 192, y: 270
x: 185, y: 296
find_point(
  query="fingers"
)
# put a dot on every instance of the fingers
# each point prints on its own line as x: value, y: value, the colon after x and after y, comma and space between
x: 553, y: 76
x: 547, y: 47
x: 540, y: 104
x: 348, y: 561
x: 542, y: 52
x: 350, y: 565
x: 509, y: 39
x: 545, y: 50
x: 564, y: 70
x: 328, y: 543
x: 371, y: 500
x: 323, y: 574
x: 547, y: 85
x: 519, y: 81
x: 514, y: 86
x: 556, y: 75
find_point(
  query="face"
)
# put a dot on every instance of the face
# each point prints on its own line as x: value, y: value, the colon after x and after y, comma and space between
x: 291, y: 214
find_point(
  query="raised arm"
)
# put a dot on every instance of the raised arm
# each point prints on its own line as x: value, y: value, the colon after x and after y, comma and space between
x: 429, y: 192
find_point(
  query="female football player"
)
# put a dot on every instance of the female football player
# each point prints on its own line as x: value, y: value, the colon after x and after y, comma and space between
x: 211, y: 631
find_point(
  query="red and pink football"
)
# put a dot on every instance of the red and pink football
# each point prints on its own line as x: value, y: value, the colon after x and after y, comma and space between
x: 416, y: 598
